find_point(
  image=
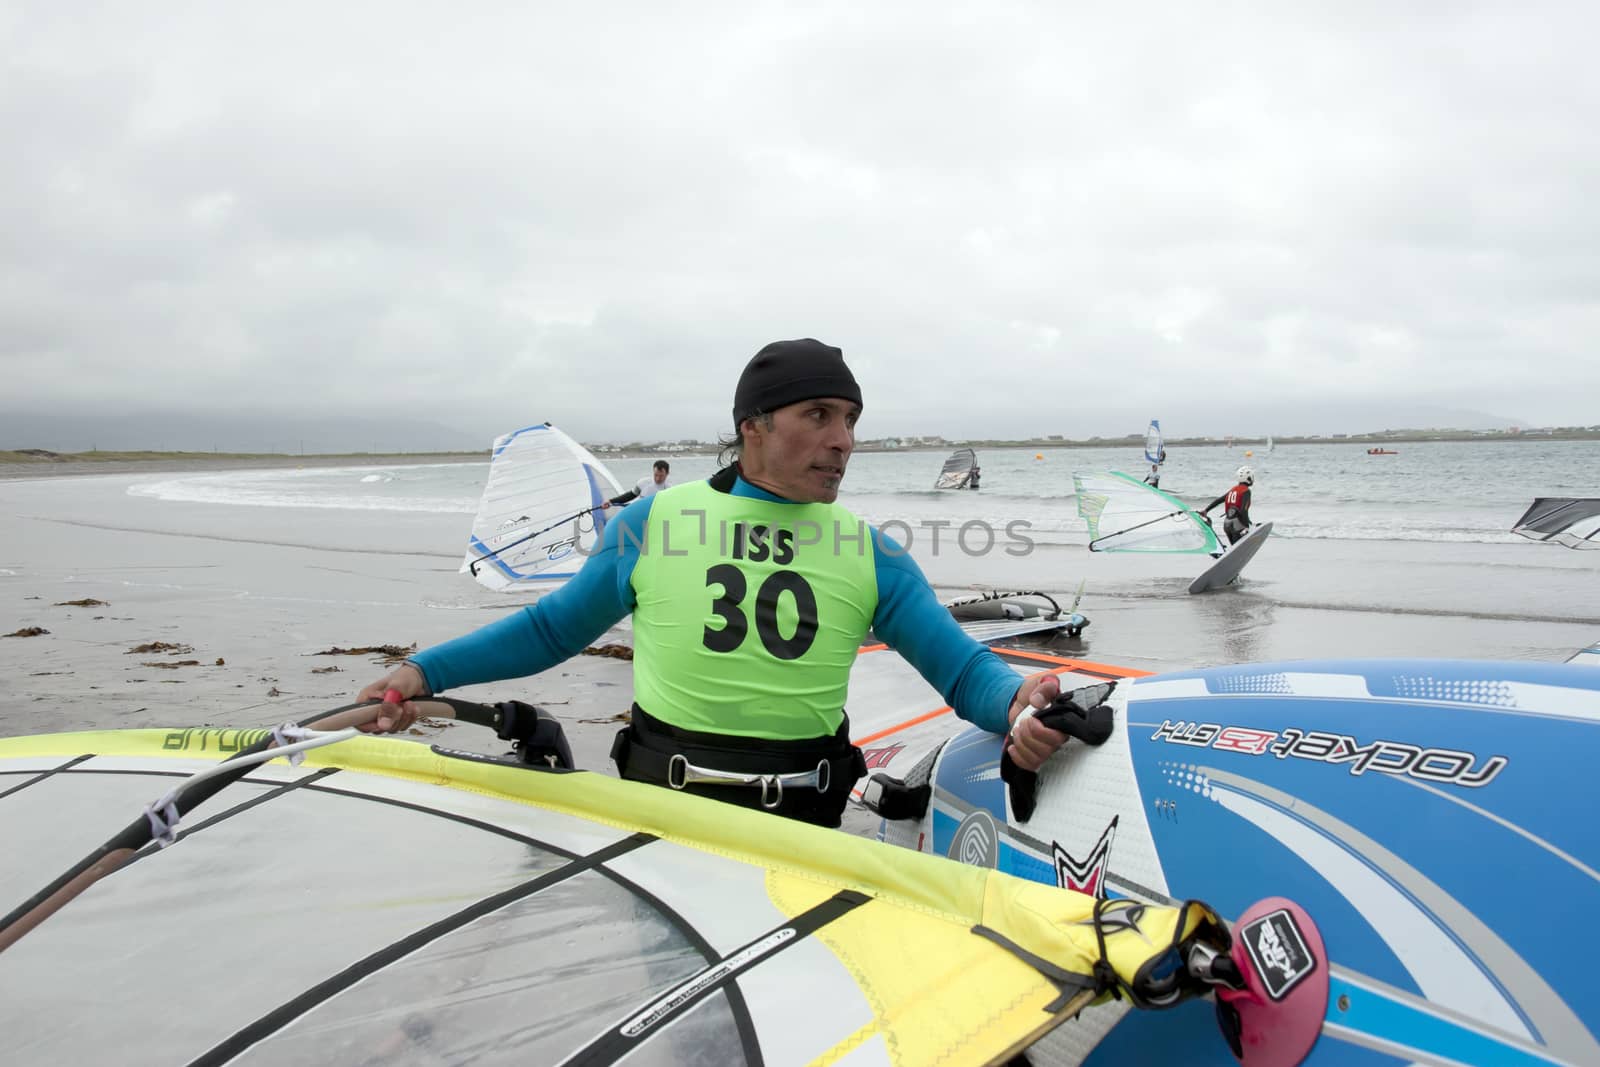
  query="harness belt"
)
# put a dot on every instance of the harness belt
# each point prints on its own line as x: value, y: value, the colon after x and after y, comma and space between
x: 808, y: 779
x: 681, y: 773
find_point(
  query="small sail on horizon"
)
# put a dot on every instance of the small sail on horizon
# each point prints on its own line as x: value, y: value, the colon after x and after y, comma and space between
x: 1570, y: 521
x: 957, y: 470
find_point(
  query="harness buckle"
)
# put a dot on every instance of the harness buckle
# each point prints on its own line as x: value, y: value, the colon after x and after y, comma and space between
x: 681, y: 773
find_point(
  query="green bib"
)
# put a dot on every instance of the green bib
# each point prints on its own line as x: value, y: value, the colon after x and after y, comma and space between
x: 749, y: 612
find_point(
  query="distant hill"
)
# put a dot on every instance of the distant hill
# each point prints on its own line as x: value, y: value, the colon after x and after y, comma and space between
x: 253, y: 432
x: 230, y: 433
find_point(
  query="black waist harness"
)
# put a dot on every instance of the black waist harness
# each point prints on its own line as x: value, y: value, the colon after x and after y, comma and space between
x: 807, y: 779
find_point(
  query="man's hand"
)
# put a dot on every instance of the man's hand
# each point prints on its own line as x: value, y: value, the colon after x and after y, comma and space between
x: 1029, y: 742
x: 408, y: 681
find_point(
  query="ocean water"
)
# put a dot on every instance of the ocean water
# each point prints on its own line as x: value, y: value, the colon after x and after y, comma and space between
x: 1465, y: 492
x: 1403, y: 555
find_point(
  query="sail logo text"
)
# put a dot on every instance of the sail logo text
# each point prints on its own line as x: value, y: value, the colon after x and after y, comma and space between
x: 205, y: 738
x: 1447, y: 765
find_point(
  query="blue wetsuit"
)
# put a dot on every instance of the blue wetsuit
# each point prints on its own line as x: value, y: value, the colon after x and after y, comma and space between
x: 971, y: 678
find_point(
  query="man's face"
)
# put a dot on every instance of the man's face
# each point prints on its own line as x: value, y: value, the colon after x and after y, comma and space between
x: 661, y: 475
x: 804, y: 455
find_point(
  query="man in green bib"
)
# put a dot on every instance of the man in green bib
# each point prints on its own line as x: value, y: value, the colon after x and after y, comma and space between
x: 750, y: 594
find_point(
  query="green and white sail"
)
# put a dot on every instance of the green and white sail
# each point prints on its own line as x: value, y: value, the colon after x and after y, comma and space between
x: 1126, y: 515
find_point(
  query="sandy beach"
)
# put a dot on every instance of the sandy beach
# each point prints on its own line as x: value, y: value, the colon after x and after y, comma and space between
x: 246, y: 609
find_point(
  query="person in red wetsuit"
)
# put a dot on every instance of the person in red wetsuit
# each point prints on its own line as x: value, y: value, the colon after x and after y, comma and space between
x: 1235, y: 506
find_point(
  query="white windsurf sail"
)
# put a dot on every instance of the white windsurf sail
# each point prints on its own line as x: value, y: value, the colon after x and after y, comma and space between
x: 1126, y: 515
x: 1268, y: 450
x: 1154, y: 448
x: 541, y: 510
x: 957, y: 470
x: 1570, y: 521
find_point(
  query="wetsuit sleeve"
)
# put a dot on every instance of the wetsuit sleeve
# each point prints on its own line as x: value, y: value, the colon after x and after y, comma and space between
x: 972, y: 679
x: 623, y: 498
x: 1214, y: 503
x: 555, y: 628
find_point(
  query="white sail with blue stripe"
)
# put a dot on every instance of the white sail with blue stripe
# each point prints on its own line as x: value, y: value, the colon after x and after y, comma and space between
x: 542, y: 511
x: 1154, y: 450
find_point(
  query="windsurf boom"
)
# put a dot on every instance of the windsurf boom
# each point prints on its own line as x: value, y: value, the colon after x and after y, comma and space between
x: 1127, y: 515
x: 541, y: 513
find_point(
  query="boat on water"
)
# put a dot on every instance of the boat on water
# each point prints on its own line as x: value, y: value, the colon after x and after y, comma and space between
x: 1382, y: 452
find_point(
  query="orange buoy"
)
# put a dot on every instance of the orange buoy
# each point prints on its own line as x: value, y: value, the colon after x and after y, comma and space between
x: 1038, y: 455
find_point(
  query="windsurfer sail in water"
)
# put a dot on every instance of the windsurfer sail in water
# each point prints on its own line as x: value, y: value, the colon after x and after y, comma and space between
x: 1155, y: 453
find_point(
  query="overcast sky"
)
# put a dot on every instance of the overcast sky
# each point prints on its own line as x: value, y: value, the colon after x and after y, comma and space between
x: 1014, y: 219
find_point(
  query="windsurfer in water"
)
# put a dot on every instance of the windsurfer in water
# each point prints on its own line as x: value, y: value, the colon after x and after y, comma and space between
x: 972, y: 482
x: 746, y: 627
x: 1236, y: 506
x: 1153, y: 479
x: 645, y: 487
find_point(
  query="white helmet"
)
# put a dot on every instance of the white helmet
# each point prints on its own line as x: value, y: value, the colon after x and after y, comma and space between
x: 1246, y: 475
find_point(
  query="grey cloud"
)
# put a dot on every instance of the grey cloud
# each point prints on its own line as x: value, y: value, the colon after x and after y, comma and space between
x: 518, y: 212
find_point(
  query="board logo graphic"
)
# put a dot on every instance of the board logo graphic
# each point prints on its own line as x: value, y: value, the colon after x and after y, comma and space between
x: 879, y: 758
x: 1445, y: 765
x: 977, y: 841
x: 1278, y: 952
x: 204, y: 738
x: 1086, y: 875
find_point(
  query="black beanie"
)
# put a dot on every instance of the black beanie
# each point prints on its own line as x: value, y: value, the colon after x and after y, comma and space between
x: 785, y: 372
